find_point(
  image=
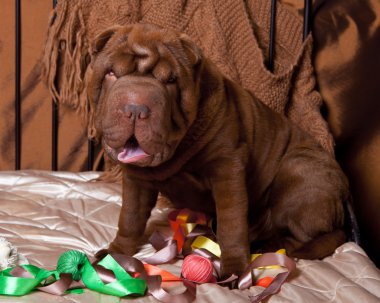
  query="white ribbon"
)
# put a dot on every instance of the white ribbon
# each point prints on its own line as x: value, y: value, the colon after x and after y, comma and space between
x: 9, y: 256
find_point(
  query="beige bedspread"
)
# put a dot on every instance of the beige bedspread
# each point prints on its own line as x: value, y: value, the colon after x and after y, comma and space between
x: 47, y: 213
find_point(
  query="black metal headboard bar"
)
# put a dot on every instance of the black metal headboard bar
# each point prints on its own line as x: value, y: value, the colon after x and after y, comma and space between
x: 17, y: 85
x: 307, y: 18
x: 54, y: 128
x: 54, y: 135
x: 272, y: 31
x: 90, y: 155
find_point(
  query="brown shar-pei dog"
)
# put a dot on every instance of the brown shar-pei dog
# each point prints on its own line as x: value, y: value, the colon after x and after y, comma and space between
x: 177, y: 126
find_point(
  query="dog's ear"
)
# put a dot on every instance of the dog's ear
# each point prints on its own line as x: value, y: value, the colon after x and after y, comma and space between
x: 193, y: 51
x: 101, y: 40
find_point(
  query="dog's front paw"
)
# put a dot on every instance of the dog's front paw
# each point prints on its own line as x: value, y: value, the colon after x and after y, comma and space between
x: 102, y: 253
x: 231, y: 266
x: 120, y: 246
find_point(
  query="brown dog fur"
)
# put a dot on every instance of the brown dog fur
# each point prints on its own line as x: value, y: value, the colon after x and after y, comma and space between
x: 211, y: 147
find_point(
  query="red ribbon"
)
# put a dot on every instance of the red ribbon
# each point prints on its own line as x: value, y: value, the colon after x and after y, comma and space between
x: 179, y: 218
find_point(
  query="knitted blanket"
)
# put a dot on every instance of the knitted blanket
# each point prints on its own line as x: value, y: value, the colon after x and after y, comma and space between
x: 234, y: 34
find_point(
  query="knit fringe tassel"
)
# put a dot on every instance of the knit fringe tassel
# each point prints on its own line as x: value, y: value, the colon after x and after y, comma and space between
x: 111, y: 175
x: 66, y: 60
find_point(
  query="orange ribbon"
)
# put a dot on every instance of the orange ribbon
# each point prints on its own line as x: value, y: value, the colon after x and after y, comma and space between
x: 182, y: 222
x: 165, y: 275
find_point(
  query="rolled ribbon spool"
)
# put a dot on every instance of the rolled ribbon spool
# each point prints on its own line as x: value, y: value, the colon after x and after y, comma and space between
x: 197, y: 269
x: 72, y: 262
x: 8, y: 255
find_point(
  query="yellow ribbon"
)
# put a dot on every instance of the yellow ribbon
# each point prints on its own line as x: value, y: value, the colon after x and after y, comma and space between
x: 280, y: 251
x: 206, y: 243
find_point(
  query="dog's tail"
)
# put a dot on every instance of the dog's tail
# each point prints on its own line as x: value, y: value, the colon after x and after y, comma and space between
x: 321, y: 246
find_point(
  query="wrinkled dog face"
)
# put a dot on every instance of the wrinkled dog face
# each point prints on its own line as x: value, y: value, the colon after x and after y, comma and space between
x: 143, y: 92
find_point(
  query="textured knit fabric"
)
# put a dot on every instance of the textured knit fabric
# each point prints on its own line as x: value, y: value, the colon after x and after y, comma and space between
x: 232, y: 33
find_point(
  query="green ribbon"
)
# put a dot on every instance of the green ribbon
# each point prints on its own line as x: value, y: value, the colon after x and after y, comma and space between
x: 77, y: 264
x: 19, y: 286
x: 124, y: 284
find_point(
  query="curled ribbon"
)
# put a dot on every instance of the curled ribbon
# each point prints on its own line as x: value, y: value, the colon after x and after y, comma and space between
x: 121, y: 276
x: 192, y: 234
x: 21, y: 280
x: 131, y: 264
x: 267, y: 259
x: 115, y: 274
x: 182, y: 222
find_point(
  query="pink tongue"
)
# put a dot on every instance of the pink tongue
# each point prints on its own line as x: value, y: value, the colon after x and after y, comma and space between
x: 129, y: 155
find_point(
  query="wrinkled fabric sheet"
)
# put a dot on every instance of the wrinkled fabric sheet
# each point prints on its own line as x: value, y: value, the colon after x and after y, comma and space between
x: 46, y: 213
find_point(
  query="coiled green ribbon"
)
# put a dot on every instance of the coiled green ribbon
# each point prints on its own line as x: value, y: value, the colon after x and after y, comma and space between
x: 21, y: 280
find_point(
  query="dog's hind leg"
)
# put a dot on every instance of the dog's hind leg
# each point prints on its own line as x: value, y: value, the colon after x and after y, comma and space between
x: 306, y: 199
x: 319, y: 247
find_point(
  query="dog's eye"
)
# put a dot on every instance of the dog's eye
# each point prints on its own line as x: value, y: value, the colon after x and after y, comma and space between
x: 172, y: 79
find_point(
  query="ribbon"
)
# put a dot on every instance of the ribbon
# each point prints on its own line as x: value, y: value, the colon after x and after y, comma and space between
x: 267, y: 259
x: 206, y: 243
x: 121, y: 276
x: 21, y: 280
x: 182, y: 222
x: 112, y: 275
x: 166, y: 276
x: 192, y: 230
x: 198, y: 239
x: 166, y: 249
x: 186, y: 226
x: 124, y: 284
x: 131, y: 264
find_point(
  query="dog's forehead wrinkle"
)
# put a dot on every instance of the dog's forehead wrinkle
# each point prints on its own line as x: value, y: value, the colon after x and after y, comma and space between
x: 123, y: 49
x: 163, y: 70
x: 141, y: 50
x: 122, y: 39
x: 171, y: 49
x: 145, y: 57
x: 101, y: 63
x: 179, y: 53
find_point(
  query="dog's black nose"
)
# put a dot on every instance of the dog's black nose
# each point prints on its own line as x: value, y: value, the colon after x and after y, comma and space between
x: 138, y: 111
